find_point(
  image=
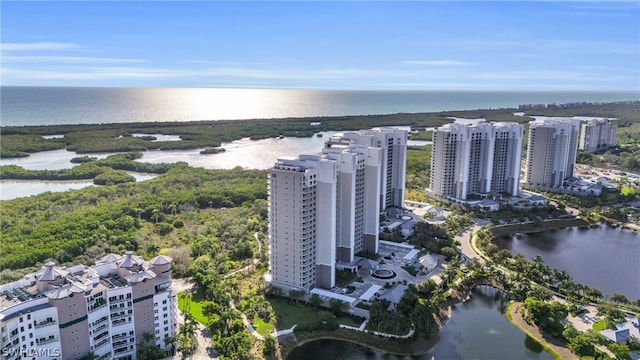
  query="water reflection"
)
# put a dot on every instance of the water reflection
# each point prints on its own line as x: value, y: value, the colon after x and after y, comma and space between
x: 477, y: 329
x: 11, y: 189
x: 49, y: 160
x: 246, y: 153
x: 602, y: 257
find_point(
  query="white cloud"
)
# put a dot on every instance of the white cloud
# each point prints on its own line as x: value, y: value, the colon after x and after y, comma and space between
x: 549, y: 75
x: 37, y: 46
x: 437, y: 62
x: 574, y: 46
x: 66, y: 59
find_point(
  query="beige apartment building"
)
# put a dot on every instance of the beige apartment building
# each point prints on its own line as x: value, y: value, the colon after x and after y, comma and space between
x: 105, y: 309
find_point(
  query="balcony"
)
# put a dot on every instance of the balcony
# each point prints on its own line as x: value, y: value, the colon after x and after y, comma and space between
x: 101, y: 343
x: 96, y: 330
x: 45, y: 341
x: 163, y: 287
x: 118, y: 301
x: 44, y: 323
x: 97, y: 306
x: 120, y: 337
x: 120, y: 322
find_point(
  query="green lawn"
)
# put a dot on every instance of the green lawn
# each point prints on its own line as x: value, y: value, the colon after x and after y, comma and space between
x: 290, y: 314
x: 195, y: 307
x: 262, y: 327
x: 600, y: 325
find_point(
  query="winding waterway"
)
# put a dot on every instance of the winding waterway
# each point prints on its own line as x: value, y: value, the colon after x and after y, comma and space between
x: 248, y: 154
x: 477, y: 329
x: 605, y: 258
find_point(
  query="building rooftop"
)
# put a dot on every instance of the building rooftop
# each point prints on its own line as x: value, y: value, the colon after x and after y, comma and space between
x: 57, y: 282
x: 395, y: 294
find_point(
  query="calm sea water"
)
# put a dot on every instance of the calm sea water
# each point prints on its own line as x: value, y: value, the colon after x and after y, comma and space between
x: 70, y: 105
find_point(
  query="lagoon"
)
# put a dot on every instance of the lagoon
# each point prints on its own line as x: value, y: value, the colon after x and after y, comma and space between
x: 605, y: 258
x: 477, y: 329
x: 245, y: 153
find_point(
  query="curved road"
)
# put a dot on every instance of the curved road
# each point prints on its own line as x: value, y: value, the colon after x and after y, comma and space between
x: 465, y: 238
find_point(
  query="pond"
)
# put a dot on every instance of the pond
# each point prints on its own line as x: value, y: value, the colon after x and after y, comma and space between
x: 602, y: 257
x: 477, y: 329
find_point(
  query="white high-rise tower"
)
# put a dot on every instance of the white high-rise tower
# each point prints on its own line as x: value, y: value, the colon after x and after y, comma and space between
x: 357, y: 201
x: 597, y: 134
x: 551, y: 152
x: 393, y: 143
x: 302, y: 222
x: 476, y: 158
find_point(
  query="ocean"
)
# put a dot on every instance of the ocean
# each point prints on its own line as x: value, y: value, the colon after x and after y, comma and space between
x: 28, y: 105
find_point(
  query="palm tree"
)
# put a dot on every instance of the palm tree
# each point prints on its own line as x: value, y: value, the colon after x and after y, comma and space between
x: 170, y: 344
x: 155, y: 214
x: 270, y: 345
x: 227, y: 316
x: 153, y: 249
x: 144, y: 347
x: 187, y: 333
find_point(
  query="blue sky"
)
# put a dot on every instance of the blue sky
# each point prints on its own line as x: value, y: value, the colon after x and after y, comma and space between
x: 417, y: 45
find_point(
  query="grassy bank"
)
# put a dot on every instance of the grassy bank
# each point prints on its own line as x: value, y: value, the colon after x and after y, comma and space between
x: 532, y: 227
x: 509, y: 316
x: 192, y: 306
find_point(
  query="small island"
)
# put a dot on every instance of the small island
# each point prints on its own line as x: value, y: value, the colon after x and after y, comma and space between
x: 212, y: 150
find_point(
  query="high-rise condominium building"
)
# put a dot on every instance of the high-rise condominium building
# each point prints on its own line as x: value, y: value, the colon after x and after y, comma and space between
x: 302, y: 223
x: 476, y: 158
x: 597, y: 134
x: 106, y: 309
x: 393, y: 143
x: 323, y: 209
x: 551, y: 152
x: 357, y: 200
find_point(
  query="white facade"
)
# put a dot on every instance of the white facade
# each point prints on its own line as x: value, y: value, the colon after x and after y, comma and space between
x: 597, y: 134
x: 66, y: 313
x: 551, y: 152
x: 357, y: 199
x: 302, y: 222
x: 393, y: 142
x: 165, y: 317
x: 476, y: 158
x: 323, y: 210
x: 30, y: 330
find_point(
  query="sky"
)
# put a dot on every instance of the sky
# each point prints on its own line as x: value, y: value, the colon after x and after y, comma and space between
x: 355, y: 45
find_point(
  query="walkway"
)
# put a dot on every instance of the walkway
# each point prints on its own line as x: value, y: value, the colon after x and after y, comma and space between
x: 254, y: 262
x: 364, y: 325
x: 246, y: 322
x: 288, y: 331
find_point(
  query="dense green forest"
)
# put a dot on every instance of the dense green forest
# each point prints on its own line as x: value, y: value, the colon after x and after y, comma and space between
x: 185, y: 207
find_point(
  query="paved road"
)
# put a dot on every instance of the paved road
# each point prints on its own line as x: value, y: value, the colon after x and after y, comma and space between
x: 464, y: 237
